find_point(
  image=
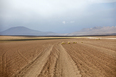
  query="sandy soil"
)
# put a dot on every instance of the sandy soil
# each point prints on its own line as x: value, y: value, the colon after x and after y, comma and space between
x: 50, y: 58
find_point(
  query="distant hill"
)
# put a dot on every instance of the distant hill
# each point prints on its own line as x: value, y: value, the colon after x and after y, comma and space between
x: 107, y: 30
x: 23, y: 31
x: 20, y: 30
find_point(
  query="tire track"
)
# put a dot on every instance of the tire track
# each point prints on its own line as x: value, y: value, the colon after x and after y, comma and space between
x: 4, y: 71
x: 85, y: 67
x: 97, y: 61
x: 102, y: 46
x: 22, y: 56
x: 49, y: 68
x: 91, y: 61
x: 34, y: 69
x: 104, y: 50
x: 65, y: 65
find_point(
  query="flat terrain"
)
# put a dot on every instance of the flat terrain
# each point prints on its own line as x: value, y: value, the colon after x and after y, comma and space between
x: 72, y: 57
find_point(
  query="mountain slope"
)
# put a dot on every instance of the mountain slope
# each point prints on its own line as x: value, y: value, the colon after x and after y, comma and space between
x: 107, y: 30
x: 24, y: 31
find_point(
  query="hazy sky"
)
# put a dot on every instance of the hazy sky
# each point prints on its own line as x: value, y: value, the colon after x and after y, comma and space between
x: 60, y: 16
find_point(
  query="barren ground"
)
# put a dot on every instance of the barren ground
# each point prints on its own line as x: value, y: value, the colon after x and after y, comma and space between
x: 81, y: 57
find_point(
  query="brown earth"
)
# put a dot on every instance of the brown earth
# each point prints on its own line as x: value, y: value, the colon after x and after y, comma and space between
x: 80, y: 57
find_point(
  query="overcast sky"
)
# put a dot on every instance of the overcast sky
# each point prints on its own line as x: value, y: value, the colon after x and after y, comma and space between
x: 60, y: 16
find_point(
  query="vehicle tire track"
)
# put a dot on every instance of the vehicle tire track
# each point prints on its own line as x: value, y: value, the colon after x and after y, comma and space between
x: 85, y: 67
x: 66, y: 67
x: 4, y: 71
x: 104, y: 50
x: 22, y: 56
x: 89, y: 61
x: 49, y: 68
x: 102, y: 46
x: 34, y: 68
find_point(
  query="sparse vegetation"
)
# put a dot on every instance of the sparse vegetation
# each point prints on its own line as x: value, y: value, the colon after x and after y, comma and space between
x: 98, y: 39
x: 63, y: 43
x: 68, y: 42
x: 74, y: 42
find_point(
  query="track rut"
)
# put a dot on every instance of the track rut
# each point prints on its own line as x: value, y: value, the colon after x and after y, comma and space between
x: 62, y: 64
x: 34, y: 69
x: 66, y: 67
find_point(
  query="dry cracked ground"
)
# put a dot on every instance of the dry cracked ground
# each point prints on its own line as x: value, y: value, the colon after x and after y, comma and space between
x: 52, y: 58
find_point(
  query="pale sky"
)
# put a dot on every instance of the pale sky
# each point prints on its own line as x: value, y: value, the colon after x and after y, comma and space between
x: 60, y: 16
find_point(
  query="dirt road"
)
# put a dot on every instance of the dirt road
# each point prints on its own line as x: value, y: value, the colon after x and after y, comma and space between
x: 65, y: 66
x: 51, y: 58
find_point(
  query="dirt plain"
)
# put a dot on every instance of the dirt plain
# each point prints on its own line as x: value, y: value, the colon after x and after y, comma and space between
x: 81, y: 57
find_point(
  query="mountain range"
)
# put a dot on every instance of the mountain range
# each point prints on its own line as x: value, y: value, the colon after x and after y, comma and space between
x: 20, y: 30
x: 106, y: 30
